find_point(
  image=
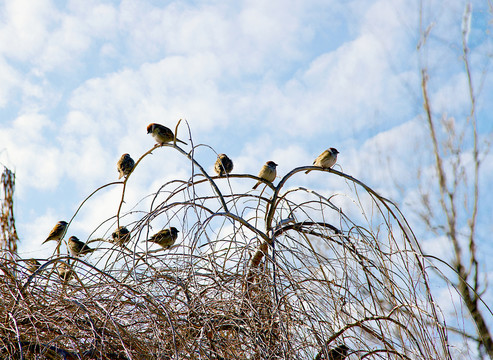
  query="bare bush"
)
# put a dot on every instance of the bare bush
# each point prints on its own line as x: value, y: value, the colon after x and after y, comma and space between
x: 284, y: 273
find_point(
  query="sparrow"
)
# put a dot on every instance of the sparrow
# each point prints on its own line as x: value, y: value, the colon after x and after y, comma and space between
x: 78, y: 247
x: 337, y: 353
x: 65, y: 272
x: 162, y: 134
x: 32, y: 265
x: 223, y: 165
x: 165, y: 237
x: 326, y: 160
x: 125, y: 165
x: 121, y: 235
x: 268, y: 172
x: 57, y: 232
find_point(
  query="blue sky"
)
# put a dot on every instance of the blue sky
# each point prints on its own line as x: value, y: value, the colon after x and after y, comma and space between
x: 277, y: 80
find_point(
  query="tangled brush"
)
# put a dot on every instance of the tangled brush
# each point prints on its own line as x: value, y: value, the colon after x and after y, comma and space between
x: 283, y: 272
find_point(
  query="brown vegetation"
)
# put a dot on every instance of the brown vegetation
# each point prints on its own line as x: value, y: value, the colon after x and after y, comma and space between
x: 287, y: 273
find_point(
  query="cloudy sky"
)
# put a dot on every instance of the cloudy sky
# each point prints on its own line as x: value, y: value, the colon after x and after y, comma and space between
x: 259, y: 80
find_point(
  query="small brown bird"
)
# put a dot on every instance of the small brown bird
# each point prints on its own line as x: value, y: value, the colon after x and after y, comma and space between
x: 268, y: 172
x: 165, y: 237
x: 32, y: 265
x: 121, y: 235
x: 326, y: 160
x: 125, y: 165
x: 337, y: 353
x: 223, y: 165
x: 65, y: 272
x: 162, y: 134
x: 58, y: 231
x: 78, y: 247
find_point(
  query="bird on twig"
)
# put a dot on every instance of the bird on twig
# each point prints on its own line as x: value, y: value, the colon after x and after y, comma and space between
x: 326, y: 160
x: 125, y: 165
x: 121, y: 235
x: 166, y: 237
x: 32, y: 265
x: 223, y: 165
x: 268, y: 172
x: 65, y: 272
x: 78, y: 247
x: 162, y: 134
x: 58, y: 231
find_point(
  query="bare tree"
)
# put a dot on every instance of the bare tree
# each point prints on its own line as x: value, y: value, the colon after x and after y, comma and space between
x: 281, y: 273
x: 457, y: 162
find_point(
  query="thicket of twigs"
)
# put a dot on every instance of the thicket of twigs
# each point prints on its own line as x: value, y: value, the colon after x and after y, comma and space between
x: 280, y: 273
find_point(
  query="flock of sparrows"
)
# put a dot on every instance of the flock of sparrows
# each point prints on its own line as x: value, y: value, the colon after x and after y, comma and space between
x: 166, y: 237
x: 223, y: 165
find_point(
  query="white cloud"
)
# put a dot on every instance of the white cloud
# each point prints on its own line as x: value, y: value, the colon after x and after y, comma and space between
x: 51, y: 39
x: 95, y: 18
x: 9, y: 80
x: 162, y: 92
x: 353, y: 84
x: 452, y: 97
x: 75, y: 34
x: 35, y: 161
x: 393, y: 24
x: 63, y: 46
x: 26, y: 27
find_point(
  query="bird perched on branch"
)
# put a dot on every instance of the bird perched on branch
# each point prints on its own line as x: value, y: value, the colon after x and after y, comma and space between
x: 223, y: 165
x: 326, y: 160
x: 58, y: 231
x: 121, y: 235
x: 78, y: 247
x: 166, y: 237
x: 337, y: 353
x: 32, y: 265
x: 65, y: 272
x: 268, y: 172
x: 162, y: 134
x: 125, y: 165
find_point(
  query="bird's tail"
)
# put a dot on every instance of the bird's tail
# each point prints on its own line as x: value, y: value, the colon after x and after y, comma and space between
x: 86, y: 250
x: 256, y: 185
x: 306, y: 172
